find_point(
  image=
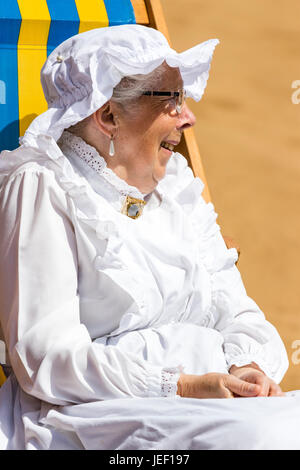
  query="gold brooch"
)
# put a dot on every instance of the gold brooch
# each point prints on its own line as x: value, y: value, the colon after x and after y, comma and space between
x: 133, y: 207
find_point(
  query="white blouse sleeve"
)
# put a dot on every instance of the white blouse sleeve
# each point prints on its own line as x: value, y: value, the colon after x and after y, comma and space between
x: 248, y: 336
x: 50, y: 350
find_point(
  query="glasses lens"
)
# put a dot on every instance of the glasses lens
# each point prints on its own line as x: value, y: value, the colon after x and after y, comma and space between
x: 180, y: 101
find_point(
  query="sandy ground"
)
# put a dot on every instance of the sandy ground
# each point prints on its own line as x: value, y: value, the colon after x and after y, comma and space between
x: 248, y: 134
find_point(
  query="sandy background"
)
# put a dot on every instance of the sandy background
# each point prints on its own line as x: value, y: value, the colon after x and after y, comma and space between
x: 248, y: 131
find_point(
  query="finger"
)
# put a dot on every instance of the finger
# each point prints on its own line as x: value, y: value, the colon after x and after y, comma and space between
x: 227, y: 393
x: 275, y: 390
x: 264, y: 383
x: 241, y: 387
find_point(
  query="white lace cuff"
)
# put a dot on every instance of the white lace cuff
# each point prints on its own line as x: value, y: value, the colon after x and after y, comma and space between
x: 169, y: 379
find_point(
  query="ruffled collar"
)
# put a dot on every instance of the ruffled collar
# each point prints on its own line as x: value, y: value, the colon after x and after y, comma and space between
x: 71, y: 145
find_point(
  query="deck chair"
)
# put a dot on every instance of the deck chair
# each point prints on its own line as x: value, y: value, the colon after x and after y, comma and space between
x: 30, y: 30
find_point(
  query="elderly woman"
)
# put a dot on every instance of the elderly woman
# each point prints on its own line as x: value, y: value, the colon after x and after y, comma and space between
x: 125, y: 317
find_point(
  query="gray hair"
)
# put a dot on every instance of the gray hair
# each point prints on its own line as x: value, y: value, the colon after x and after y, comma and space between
x: 132, y: 87
x: 127, y: 93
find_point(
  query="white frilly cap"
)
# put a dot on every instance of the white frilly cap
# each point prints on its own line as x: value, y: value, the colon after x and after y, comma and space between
x: 80, y: 74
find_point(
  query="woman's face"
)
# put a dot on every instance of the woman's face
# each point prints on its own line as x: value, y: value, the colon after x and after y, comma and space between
x: 140, y: 157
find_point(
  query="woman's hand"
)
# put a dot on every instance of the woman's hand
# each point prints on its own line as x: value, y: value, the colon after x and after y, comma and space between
x: 252, y: 374
x: 215, y: 385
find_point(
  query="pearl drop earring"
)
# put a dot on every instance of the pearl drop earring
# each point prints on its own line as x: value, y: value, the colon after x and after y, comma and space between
x: 111, y: 147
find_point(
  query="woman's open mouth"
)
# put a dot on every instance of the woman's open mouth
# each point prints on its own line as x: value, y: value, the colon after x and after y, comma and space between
x: 167, y: 146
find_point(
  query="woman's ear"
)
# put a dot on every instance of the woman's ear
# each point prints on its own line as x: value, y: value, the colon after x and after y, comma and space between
x: 105, y: 119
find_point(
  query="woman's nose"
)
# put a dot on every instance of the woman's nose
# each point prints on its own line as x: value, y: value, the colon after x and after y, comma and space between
x: 186, y: 118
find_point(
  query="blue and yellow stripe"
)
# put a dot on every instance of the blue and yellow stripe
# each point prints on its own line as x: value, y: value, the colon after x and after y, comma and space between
x: 64, y: 22
x: 29, y: 31
x: 10, y: 23
x: 32, y: 53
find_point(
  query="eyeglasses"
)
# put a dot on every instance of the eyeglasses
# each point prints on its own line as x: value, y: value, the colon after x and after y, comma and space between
x: 179, y: 97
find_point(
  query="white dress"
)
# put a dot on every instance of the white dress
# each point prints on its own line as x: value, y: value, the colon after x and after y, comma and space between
x: 101, y: 313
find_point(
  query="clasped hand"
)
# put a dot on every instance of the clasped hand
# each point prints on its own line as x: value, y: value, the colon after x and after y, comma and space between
x: 253, y: 375
x: 246, y: 381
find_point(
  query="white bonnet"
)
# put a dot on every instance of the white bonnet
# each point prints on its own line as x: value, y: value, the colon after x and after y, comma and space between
x: 80, y: 74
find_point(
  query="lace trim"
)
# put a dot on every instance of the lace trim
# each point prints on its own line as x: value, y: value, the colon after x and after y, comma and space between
x: 90, y: 156
x: 169, y: 379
